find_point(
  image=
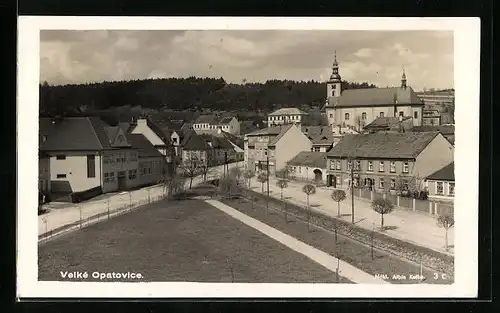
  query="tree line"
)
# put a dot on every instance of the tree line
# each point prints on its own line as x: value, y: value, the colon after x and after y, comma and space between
x: 184, y: 94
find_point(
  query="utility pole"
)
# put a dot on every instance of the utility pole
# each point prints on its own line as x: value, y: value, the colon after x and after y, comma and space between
x: 225, y: 163
x: 268, y: 174
x: 352, y: 189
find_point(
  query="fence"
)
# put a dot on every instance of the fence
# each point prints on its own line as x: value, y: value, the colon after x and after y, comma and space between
x: 411, y: 204
x: 76, y: 216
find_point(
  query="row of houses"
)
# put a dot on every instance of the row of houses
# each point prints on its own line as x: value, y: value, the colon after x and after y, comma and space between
x: 84, y: 154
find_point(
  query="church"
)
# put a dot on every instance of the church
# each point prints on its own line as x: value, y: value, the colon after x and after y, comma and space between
x: 359, y: 107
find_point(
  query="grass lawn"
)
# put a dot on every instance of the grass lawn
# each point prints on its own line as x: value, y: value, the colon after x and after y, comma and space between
x: 353, y: 252
x: 186, y: 240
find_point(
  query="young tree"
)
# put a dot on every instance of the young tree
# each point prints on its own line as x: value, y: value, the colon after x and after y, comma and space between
x: 248, y: 175
x: 338, y: 195
x: 262, y: 179
x: 382, y: 206
x: 190, y: 167
x: 205, y: 169
x: 446, y: 221
x: 237, y: 174
x: 402, y: 186
x: 308, y: 189
x: 282, y: 184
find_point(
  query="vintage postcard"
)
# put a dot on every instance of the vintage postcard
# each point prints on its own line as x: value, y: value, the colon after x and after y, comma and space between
x: 248, y: 157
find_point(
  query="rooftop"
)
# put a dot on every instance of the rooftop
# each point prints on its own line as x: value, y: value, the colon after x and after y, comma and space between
x: 443, y: 129
x: 145, y: 148
x: 283, y: 131
x: 268, y: 131
x: 446, y: 173
x: 309, y: 158
x: 375, y: 97
x: 319, y: 135
x: 406, y: 145
x: 386, y: 122
x: 287, y: 111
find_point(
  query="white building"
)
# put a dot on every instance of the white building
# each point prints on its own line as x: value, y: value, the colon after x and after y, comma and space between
x: 286, y: 116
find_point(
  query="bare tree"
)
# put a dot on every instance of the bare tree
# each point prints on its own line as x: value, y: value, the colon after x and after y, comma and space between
x: 382, y: 206
x: 446, y: 221
x: 228, y: 187
x: 191, y: 167
x: 308, y: 189
x: 237, y: 174
x: 262, y: 179
x: 338, y: 195
x: 205, y: 169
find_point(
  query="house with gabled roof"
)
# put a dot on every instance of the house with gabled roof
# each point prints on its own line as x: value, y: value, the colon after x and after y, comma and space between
x: 286, y: 116
x: 321, y: 137
x: 151, y: 163
x: 210, y: 124
x: 271, y: 148
x: 389, y: 124
x: 359, y: 107
x: 441, y: 183
x: 83, y: 151
x: 158, y: 136
x: 378, y: 160
x: 210, y: 149
x: 309, y: 166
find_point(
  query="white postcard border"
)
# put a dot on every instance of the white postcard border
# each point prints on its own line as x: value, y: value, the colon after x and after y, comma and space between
x: 466, y: 73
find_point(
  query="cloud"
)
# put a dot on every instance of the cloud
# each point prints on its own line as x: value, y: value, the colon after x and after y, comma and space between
x: 373, y: 56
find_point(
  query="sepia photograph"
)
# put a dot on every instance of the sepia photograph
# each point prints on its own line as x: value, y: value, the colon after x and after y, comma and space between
x: 236, y: 157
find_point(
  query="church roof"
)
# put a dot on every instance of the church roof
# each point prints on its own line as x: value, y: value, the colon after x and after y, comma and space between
x: 375, y: 97
x: 288, y: 111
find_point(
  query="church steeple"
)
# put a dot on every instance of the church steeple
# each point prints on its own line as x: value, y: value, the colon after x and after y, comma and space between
x: 334, y: 84
x: 403, y: 79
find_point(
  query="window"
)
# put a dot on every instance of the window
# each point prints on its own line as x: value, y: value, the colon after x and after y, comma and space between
x: 106, y: 177
x: 370, y: 166
x: 363, y: 116
x: 415, y: 114
x: 132, y: 174
x: 349, y: 165
x: 392, y: 167
x: 381, y: 114
x: 331, y: 115
x: 106, y: 159
x: 334, y: 86
x: 112, y: 176
x: 358, y: 165
x: 61, y: 175
x: 316, y: 149
x: 439, y: 188
x: 133, y: 156
x: 90, y: 166
x: 332, y: 164
x: 405, y: 167
x: 60, y: 157
x: 339, y: 165
x: 393, y: 184
x: 451, y: 189
x: 381, y: 183
x: 300, y: 169
x: 381, y: 166
x: 346, y: 116
x: 401, y: 113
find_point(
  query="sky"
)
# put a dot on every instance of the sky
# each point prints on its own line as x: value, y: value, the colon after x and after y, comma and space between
x: 377, y: 57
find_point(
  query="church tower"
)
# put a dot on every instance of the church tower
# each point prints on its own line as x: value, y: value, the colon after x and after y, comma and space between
x: 334, y: 85
x: 403, y: 79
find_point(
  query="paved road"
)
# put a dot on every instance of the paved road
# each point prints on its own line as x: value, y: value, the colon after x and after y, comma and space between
x: 177, y: 241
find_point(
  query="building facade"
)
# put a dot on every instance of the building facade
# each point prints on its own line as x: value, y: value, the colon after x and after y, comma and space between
x: 274, y: 146
x: 309, y: 166
x: 210, y: 124
x: 441, y: 184
x: 379, y: 160
x: 286, y: 116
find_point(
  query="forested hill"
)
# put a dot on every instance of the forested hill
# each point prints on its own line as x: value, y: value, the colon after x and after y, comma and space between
x: 182, y: 94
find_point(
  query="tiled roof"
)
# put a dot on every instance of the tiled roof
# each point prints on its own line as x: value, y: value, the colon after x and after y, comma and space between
x: 77, y: 133
x: 206, y: 119
x: 283, y: 131
x: 375, y: 96
x: 45, y: 129
x: 406, y: 145
x: 443, y: 129
x: 196, y: 142
x: 201, y: 142
x: 217, y: 142
x: 186, y: 135
x: 319, y: 135
x: 124, y: 126
x: 232, y: 138
x: 287, y: 111
x: 309, y: 158
x: 274, y: 130
x: 446, y: 173
x: 225, y: 120
x: 386, y: 122
x: 145, y: 148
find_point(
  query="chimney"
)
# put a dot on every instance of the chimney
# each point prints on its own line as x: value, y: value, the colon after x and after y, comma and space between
x: 141, y: 121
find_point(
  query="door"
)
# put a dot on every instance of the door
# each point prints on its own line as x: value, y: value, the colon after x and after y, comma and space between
x: 122, y: 182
